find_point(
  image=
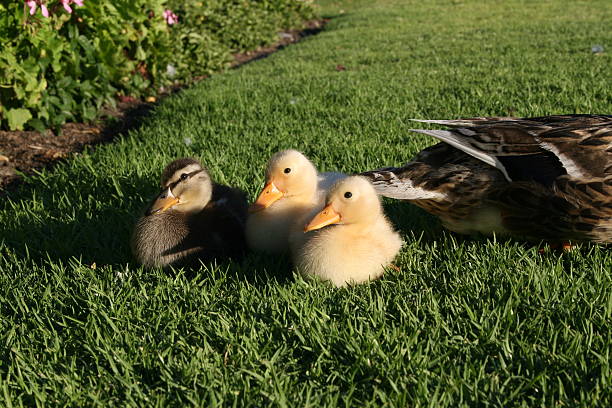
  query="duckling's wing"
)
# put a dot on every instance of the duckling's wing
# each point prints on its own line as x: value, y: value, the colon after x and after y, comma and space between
x: 232, y: 200
x: 328, y: 179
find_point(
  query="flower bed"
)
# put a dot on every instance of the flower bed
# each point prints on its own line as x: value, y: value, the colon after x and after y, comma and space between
x: 62, y: 60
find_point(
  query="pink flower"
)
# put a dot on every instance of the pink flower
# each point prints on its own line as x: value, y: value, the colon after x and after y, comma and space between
x: 170, y: 17
x: 32, y: 5
x: 66, y: 4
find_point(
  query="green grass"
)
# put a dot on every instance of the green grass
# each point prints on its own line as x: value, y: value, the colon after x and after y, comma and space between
x: 466, y: 322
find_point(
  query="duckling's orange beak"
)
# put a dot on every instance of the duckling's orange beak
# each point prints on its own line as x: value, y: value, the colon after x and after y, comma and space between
x: 164, y: 201
x: 326, y: 217
x: 267, y: 197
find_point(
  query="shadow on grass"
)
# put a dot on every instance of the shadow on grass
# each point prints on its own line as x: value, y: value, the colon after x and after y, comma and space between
x: 409, y: 219
x: 97, y: 227
x: 98, y: 231
x: 256, y: 269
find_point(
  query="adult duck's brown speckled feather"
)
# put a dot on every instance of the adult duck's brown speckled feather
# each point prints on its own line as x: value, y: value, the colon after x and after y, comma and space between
x: 192, y: 220
x: 540, y: 178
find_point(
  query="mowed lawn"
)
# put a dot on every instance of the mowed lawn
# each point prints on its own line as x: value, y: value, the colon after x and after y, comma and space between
x: 465, y: 321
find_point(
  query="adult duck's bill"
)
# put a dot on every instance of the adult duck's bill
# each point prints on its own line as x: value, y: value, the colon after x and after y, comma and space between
x: 267, y: 197
x: 163, y: 202
x: 326, y: 217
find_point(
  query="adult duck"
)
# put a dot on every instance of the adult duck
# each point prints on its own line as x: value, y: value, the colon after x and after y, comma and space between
x: 542, y: 178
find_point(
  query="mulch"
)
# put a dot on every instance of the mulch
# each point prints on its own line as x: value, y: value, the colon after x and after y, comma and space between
x: 23, y: 152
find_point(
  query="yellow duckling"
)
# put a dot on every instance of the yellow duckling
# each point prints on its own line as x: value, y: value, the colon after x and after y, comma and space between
x: 192, y: 219
x: 359, y: 244
x: 293, y: 189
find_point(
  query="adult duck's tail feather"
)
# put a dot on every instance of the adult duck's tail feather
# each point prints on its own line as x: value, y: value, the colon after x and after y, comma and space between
x: 469, y: 122
x: 390, y: 182
x: 450, y: 123
x: 458, y: 141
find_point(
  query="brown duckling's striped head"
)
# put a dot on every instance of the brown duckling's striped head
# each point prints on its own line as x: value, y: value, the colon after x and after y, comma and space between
x: 186, y: 188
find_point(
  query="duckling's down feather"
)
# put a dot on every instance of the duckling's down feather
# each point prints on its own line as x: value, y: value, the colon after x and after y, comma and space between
x: 174, y: 238
x: 325, y: 181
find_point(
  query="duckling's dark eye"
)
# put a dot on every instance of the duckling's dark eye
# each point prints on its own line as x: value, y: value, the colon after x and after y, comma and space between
x: 287, y: 170
x: 184, y: 176
x: 348, y: 194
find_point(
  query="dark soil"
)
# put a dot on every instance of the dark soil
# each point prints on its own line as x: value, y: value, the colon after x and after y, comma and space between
x: 22, y: 152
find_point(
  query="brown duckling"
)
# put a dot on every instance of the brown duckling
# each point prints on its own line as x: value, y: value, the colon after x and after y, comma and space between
x: 192, y: 219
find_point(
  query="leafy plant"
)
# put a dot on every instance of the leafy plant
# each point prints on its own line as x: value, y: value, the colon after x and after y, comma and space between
x: 61, y: 62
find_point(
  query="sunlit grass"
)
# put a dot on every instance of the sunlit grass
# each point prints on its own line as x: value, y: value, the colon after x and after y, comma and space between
x: 467, y: 321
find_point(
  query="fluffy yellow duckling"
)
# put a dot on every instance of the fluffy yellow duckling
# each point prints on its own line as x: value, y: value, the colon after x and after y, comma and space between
x: 357, y: 241
x: 192, y: 219
x: 293, y: 189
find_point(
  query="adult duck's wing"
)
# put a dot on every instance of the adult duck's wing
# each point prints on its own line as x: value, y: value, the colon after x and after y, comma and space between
x: 514, y: 151
x: 539, y: 149
x: 574, y: 210
x: 441, y: 173
x: 541, y: 123
x: 585, y: 152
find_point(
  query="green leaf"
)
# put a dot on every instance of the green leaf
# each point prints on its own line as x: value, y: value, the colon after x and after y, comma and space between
x: 17, y: 118
x: 140, y: 54
x: 37, y: 124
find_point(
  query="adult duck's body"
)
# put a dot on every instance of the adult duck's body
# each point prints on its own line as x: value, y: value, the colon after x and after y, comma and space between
x: 544, y: 178
x: 193, y: 219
